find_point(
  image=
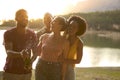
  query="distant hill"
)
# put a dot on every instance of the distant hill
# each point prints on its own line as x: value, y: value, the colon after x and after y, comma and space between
x: 95, y: 5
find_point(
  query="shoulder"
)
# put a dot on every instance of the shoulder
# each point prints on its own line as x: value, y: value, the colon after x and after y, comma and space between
x: 10, y: 31
x: 30, y: 31
x: 31, y: 34
x: 41, y: 31
x: 45, y: 35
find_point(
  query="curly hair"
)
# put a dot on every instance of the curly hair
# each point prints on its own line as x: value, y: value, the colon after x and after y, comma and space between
x: 81, y: 22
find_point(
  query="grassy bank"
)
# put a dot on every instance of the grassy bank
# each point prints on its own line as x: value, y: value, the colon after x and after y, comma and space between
x: 99, y: 73
x: 96, y: 73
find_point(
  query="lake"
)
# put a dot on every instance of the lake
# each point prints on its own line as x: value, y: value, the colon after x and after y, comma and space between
x: 97, y: 52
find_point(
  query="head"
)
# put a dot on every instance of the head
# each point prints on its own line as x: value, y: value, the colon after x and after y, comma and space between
x: 47, y: 19
x: 77, y: 25
x: 58, y: 23
x: 22, y: 18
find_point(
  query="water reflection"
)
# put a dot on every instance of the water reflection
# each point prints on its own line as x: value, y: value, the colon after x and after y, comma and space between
x: 97, y: 52
x: 2, y: 51
x: 100, y: 40
x: 100, y: 57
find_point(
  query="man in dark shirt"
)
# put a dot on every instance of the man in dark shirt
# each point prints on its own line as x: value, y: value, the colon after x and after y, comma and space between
x: 19, y: 44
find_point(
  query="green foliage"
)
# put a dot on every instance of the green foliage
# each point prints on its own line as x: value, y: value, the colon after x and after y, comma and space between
x: 98, y: 73
x: 9, y: 23
x: 101, y: 20
x: 38, y: 23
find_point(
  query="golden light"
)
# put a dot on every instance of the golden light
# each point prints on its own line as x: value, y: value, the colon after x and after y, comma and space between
x: 1, y: 22
x: 35, y: 8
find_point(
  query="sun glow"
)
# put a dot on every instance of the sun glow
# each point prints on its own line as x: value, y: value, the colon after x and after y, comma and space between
x: 35, y: 8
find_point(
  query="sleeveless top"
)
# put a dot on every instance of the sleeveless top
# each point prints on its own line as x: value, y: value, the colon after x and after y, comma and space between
x: 73, y: 52
x: 50, y: 50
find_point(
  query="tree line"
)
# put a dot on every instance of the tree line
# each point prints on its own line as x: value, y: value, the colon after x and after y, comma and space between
x: 107, y: 20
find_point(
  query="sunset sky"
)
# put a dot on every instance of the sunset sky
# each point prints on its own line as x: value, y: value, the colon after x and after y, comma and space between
x: 37, y: 8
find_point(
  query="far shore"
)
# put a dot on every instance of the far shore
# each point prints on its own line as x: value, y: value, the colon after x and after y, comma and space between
x: 6, y: 28
x: 108, y: 34
x: 102, y: 33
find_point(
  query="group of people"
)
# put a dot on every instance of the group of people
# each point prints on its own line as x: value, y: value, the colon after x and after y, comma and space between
x: 57, y: 44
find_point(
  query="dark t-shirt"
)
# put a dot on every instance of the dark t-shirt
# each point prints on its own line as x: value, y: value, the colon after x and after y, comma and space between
x: 19, y: 43
x: 41, y: 32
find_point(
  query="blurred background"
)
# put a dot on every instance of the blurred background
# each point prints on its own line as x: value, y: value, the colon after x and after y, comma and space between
x: 101, y: 40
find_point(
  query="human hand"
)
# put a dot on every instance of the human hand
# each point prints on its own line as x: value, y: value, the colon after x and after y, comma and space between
x: 60, y: 59
x: 27, y: 64
x: 24, y: 54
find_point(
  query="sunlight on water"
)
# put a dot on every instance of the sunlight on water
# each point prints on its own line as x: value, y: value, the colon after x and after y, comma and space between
x: 2, y: 51
x: 110, y: 58
x: 85, y: 62
x: 92, y: 57
x: 100, y: 57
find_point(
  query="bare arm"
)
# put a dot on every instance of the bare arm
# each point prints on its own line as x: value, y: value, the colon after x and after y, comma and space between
x: 79, y: 54
x: 65, y: 53
x: 9, y: 51
x: 36, y: 51
x: 34, y: 56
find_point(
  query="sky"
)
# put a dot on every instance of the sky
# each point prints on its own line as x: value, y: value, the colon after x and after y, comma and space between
x: 37, y: 8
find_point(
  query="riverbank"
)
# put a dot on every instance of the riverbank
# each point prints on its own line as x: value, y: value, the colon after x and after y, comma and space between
x: 93, y: 73
x: 6, y: 28
x: 98, y: 73
x: 108, y: 34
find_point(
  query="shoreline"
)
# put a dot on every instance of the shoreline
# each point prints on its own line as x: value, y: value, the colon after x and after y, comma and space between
x: 114, y: 68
